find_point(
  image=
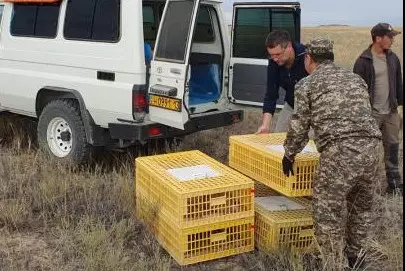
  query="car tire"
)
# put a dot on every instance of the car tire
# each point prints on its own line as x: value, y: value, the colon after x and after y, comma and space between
x: 61, y: 132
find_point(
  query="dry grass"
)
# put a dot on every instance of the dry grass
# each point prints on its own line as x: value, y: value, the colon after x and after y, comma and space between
x: 349, y: 42
x: 58, y: 218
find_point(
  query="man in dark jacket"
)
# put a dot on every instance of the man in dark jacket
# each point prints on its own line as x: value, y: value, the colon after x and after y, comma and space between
x: 381, y: 69
x: 286, y: 68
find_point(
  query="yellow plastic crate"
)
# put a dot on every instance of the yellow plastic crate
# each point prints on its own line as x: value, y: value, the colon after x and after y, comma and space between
x: 251, y: 155
x: 262, y: 190
x: 284, y: 229
x: 199, y: 243
x: 226, y: 195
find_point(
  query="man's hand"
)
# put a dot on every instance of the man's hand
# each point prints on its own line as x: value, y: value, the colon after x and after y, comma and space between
x: 265, y: 127
x: 287, y: 166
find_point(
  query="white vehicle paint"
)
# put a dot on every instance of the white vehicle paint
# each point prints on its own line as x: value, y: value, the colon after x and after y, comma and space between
x: 87, y: 81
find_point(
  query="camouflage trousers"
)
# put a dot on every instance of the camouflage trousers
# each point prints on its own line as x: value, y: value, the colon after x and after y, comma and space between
x: 343, y: 195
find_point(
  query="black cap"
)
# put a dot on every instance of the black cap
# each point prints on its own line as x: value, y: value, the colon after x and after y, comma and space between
x: 383, y: 29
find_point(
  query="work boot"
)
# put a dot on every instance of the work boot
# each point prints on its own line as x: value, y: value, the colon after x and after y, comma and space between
x: 356, y: 263
x: 392, y: 171
x: 312, y: 262
x: 395, y: 189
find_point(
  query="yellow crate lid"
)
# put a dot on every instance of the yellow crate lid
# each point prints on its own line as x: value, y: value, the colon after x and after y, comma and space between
x: 192, y: 171
x: 280, y: 209
x: 271, y: 145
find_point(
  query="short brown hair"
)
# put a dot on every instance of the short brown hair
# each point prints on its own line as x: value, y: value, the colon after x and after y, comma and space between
x: 278, y: 37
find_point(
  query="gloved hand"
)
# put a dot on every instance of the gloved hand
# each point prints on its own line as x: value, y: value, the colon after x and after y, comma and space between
x: 287, y: 166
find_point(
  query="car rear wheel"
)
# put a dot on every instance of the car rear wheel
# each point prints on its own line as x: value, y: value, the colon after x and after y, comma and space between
x: 61, y: 132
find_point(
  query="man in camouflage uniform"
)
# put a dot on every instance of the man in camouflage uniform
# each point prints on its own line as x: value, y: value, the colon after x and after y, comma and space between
x: 335, y: 103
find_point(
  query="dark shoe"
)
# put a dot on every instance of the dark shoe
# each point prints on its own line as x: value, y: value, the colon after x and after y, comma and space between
x: 356, y: 263
x: 395, y: 190
x: 312, y: 262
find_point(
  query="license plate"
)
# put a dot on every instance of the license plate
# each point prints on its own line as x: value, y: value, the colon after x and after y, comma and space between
x: 165, y: 102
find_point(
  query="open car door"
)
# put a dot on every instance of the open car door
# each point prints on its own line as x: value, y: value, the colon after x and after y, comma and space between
x: 168, y: 101
x: 251, y: 24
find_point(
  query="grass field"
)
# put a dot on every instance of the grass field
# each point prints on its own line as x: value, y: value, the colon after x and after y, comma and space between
x: 349, y: 42
x: 53, y: 217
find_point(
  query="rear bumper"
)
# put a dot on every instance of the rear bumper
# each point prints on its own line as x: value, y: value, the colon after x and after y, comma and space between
x: 140, y: 131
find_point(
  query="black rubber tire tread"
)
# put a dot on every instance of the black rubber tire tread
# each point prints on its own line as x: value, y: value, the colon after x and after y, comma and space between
x: 68, y: 109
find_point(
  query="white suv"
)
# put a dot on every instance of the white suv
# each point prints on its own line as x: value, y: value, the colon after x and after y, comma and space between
x: 79, y: 66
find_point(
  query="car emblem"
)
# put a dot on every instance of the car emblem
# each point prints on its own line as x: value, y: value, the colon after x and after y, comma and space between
x: 159, y: 70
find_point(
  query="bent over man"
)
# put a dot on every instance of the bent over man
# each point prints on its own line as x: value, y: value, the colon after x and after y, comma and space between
x: 286, y: 67
x: 334, y: 102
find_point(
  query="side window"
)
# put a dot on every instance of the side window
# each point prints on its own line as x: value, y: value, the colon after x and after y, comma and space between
x: 252, y: 25
x: 96, y: 20
x: 204, y: 31
x: 149, y: 27
x: 35, y: 20
x: 175, y: 31
x: 1, y: 12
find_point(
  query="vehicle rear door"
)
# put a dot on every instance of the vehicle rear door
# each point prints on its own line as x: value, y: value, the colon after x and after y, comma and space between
x: 251, y: 23
x: 168, y: 102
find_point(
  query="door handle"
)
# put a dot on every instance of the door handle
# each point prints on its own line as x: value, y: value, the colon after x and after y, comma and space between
x: 107, y: 76
x: 175, y: 71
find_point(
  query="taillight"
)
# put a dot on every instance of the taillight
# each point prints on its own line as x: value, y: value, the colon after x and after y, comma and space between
x: 139, y: 103
x: 236, y: 117
x: 153, y: 131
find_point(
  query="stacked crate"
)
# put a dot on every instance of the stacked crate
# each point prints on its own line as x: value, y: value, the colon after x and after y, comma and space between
x: 198, y: 208
x: 260, y: 156
x: 283, y: 215
x: 284, y: 227
x: 282, y: 223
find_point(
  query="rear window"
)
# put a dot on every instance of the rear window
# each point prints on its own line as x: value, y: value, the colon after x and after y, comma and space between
x: 35, y: 20
x: 252, y: 25
x: 204, y: 31
x: 174, y: 31
x: 94, y: 20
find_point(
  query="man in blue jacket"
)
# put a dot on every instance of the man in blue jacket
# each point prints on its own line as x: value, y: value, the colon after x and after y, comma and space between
x: 286, y: 68
x: 148, y: 52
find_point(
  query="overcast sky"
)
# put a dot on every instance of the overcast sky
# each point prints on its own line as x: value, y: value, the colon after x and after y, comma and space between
x: 350, y: 12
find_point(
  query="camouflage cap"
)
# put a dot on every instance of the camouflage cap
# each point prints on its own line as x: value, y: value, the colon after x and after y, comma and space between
x: 319, y: 46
